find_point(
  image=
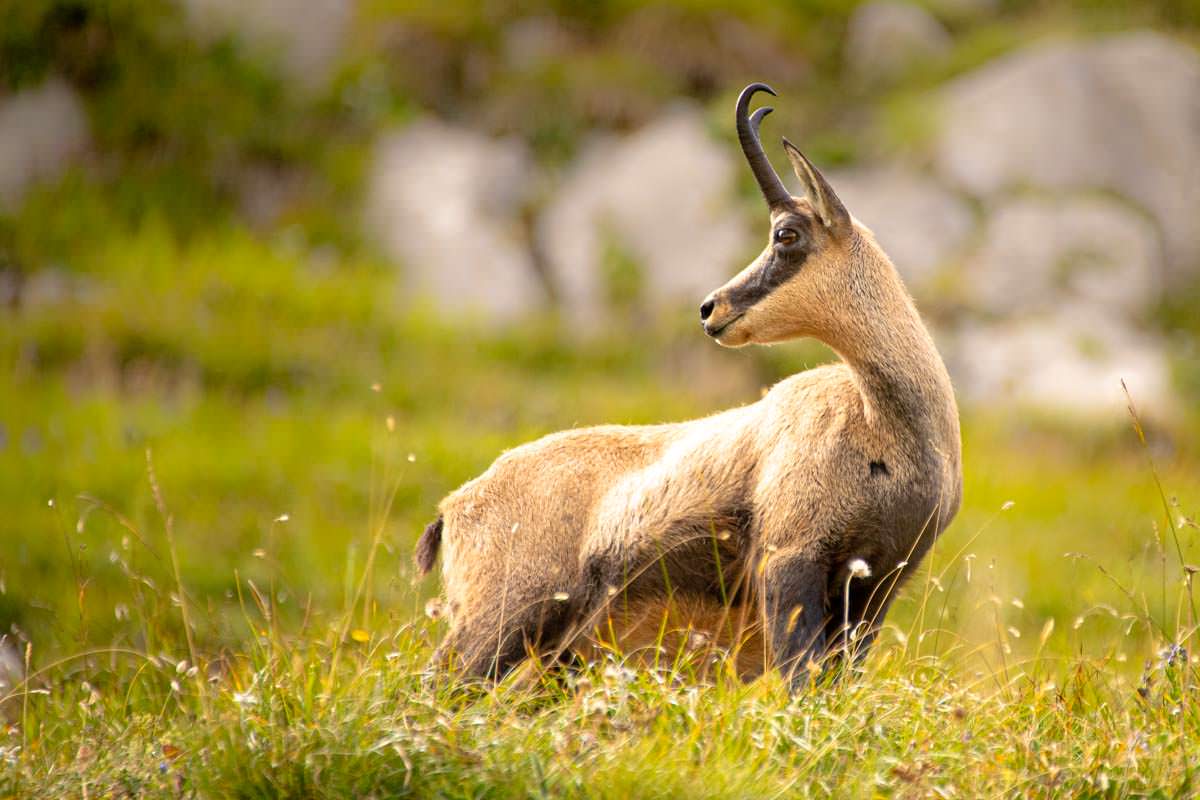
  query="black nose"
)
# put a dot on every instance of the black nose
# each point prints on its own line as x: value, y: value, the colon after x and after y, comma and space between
x: 707, y: 309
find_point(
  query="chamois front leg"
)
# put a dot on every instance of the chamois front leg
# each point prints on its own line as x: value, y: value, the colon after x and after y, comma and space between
x: 794, y: 590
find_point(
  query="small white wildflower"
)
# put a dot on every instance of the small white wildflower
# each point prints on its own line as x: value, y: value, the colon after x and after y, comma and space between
x: 181, y: 667
x: 193, y: 672
x: 595, y: 705
x: 618, y: 674
x: 1017, y: 603
x: 244, y: 698
x: 1013, y: 632
x: 175, y: 687
x: 859, y: 568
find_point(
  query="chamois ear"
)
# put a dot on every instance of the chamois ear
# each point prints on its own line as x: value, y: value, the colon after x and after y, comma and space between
x: 825, y: 201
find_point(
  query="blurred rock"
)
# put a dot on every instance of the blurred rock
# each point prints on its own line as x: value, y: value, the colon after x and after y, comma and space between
x: 1039, y: 253
x: 886, y: 37
x: 664, y: 195
x: 41, y: 131
x: 919, y: 223
x: 305, y: 35
x: 1122, y: 113
x: 1072, y: 360
x: 447, y: 202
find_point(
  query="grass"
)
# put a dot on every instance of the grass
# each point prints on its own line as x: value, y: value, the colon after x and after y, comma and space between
x: 237, y: 434
x: 907, y: 726
x: 332, y: 710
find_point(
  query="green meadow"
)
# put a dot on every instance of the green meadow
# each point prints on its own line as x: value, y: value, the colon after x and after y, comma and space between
x: 220, y: 439
x: 217, y: 457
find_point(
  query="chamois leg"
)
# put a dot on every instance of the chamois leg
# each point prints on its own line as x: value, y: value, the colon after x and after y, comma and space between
x: 869, y: 601
x: 794, y: 588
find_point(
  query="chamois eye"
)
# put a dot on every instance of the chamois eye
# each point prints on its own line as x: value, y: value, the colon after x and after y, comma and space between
x: 786, y: 236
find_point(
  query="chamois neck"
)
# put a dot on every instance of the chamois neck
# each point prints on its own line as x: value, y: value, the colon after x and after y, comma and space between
x: 896, y: 367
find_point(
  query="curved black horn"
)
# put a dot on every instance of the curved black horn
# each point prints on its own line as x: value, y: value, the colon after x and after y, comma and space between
x: 772, y: 188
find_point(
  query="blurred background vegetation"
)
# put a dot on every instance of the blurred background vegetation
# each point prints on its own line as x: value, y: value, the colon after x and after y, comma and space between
x: 293, y: 399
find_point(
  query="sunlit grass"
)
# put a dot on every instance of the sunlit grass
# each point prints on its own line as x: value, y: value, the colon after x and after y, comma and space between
x: 345, y: 707
x: 975, y: 689
x: 302, y: 426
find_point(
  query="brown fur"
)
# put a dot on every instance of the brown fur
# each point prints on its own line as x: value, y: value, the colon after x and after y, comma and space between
x: 763, y: 504
x: 662, y: 631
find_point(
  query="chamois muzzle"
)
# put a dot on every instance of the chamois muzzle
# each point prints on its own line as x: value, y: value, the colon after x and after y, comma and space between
x: 772, y: 188
x: 716, y: 315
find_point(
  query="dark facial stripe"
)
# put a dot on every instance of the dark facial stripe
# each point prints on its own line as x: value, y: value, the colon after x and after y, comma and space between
x: 777, y: 269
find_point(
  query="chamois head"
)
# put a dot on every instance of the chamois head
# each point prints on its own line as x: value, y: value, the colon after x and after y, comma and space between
x: 796, y: 282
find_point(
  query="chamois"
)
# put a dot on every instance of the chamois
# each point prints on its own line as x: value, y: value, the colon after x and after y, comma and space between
x: 758, y: 510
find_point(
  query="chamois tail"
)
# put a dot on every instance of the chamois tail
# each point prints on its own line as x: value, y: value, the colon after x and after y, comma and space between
x: 428, y: 545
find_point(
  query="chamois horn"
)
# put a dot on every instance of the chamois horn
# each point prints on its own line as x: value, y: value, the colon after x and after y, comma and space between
x: 769, y: 183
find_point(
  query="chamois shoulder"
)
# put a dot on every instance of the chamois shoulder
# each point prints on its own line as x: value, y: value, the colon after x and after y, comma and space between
x: 826, y: 385
x: 816, y: 403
